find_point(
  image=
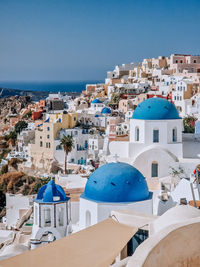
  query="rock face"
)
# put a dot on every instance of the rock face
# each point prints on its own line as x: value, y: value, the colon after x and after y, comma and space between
x: 20, y: 183
x: 33, y: 95
x: 13, y: 105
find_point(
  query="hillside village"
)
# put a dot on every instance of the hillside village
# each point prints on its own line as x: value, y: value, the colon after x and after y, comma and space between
x: 144, y: 120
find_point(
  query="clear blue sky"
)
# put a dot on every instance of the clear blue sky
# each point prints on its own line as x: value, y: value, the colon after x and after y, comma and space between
x: 82, y: 39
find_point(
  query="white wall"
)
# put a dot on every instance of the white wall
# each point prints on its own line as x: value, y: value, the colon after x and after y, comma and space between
x: 15, y: 203
x: 141, y: 125
x: 104, y: 209
x: 143, y: 162
x: 87, y: 205
x: 75, y: 212
x: 120, y: 148
x: 101, y: 211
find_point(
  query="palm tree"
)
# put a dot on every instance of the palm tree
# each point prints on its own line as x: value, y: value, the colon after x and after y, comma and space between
x: 67, y: 143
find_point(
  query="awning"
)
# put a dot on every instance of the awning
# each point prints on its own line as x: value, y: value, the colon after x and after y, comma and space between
x: 96, y: 246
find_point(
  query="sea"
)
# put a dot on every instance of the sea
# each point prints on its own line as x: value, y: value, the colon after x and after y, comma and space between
x: 68, y: 86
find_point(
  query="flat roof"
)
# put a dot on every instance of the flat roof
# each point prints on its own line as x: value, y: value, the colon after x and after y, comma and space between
x: 95, y: 246
x: 134, y: 218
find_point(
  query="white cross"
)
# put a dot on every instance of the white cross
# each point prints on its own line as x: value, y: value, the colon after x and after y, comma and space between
x: 116, y: 157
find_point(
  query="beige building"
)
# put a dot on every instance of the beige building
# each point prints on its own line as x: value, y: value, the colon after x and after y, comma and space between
x: 139, y: 98
x: 184, y: 63
x: 125, y: 105
x: 160, y: 62
x: 130, y: 104
x: 42, y: 151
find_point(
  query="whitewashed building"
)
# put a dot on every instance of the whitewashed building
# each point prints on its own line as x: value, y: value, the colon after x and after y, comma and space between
x: 52, y: 215
x: 182, y: 96
x: 156, y: 142
x: 95, y: 144
x: 79, y: 153
x: 113, y: 186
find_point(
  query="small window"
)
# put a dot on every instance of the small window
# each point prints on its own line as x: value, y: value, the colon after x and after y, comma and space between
x: 47, y: 217
x: 58, y: 147
x: 61, y: 216
x: 69, y: 212
x: 156, y: 136
x: 48, y: 145
x: 174, y: 135
x: 40, y: 143
x: 48, y: 128
x: 36, y: 215
x: 154, y: 169
x: 48, y: 136
x: 195, y: 61
x: 137, y: 134
x: 40, y: 137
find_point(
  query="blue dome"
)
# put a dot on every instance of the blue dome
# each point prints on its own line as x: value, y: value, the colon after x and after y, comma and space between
x: 96, y: 101
x: 116, y: 182
x: 106, y: 111
x: 51, y: 192
x: 156, y: 109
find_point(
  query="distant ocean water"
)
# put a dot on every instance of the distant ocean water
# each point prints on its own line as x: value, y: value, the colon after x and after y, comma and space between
x: 76, y: 86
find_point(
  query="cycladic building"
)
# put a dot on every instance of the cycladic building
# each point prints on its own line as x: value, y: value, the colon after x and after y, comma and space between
x: 155, y: 138
x: 52, y: 215
x: 113, y: 186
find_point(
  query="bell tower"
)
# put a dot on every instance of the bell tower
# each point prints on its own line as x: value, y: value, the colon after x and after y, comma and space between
x: 52, y: 215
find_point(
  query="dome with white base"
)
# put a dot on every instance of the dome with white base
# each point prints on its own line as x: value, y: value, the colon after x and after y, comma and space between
x: 116, y: 182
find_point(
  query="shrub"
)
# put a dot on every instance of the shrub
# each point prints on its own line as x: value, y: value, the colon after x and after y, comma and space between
x: 189, y: 124
x: 4, y: 169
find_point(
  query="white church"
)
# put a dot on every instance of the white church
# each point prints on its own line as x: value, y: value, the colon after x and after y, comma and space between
x: 113, y: 186
x: 156, y: 141
x: 52, y: 215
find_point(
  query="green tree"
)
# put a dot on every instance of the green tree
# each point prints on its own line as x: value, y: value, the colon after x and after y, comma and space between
x: 28, y: 114
x: 4, y: 169
x: 67, y: 143
x: 20, y: 125
x: 12, y: 136
x: 2, y: 200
